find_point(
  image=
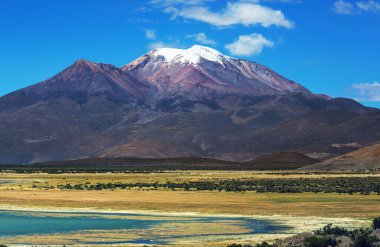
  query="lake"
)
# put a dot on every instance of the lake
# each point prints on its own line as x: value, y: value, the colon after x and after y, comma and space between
x: 23, y: 227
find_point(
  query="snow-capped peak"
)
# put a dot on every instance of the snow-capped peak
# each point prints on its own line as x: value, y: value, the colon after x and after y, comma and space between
x: 193, y: 55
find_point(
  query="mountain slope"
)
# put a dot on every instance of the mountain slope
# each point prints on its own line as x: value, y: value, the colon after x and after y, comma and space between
x: 64, y: 116
x: 79, y: 83
x: 257, y: 125
x: 201, y: 72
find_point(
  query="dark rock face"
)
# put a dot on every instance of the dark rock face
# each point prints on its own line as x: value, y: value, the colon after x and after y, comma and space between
x: 210, y: 109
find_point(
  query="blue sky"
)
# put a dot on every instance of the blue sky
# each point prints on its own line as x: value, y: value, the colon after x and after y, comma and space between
x: 331, y: 47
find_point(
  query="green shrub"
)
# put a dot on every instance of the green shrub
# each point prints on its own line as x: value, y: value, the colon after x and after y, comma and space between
x: 320, y: 241
x: 363, y: 238
x: 329, y: 230
x: 376, y: 223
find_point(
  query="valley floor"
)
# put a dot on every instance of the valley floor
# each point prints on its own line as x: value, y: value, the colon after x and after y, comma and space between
x: 302, y: 211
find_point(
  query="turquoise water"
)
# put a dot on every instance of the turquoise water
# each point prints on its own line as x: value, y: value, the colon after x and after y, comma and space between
x: 18, y: 223
x: 15, y: 223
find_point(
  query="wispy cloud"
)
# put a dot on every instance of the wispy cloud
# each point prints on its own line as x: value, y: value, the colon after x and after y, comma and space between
x: 157, y: 44
x: 167, y: 43
x: 369, y: 6
x: 367, y: 91
x: 249, y: 45
x: 242, y: 12
x: 139, y: 20
x: 343, y: 7
x: 351, y: 7
x: 273, y: 1
x: 202, y: 38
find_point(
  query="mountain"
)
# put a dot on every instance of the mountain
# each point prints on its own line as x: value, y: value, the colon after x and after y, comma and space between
x: 202, y: 72
x: 65, y: 116
x: 177, y: 103
x: 362, y: 159
x: 78, y: 82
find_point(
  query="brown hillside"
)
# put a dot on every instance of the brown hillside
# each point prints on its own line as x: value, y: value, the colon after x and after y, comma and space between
x: 361, y: 159
x: 284, y: 158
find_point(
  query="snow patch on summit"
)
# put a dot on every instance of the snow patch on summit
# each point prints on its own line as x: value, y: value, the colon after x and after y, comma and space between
x: 193, y: 55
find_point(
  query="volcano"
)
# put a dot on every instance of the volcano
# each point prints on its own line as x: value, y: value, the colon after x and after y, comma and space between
x: 169, y: 103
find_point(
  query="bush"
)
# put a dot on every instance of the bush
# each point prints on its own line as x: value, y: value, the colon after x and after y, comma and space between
x: 320, y: 241
x: 264, y: 244
x: 376, y: 223
x: 329, y: 230
x: 363, y: 238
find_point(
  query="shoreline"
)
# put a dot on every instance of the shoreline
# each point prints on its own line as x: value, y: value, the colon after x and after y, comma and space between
x: 275, y: 217
x: 295, y: 224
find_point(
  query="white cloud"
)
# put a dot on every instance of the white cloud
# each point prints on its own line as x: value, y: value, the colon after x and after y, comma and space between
x: 343, y: 7
x: 249, y: 45
x: 150, y: 34
x: 369, y: 6
x: 367, y: 91
x: 244, y: 13
x: 202, y: 38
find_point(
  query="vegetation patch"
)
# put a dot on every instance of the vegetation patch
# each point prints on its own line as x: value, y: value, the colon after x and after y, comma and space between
x: 350, y: 185
x: 329, y: 236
